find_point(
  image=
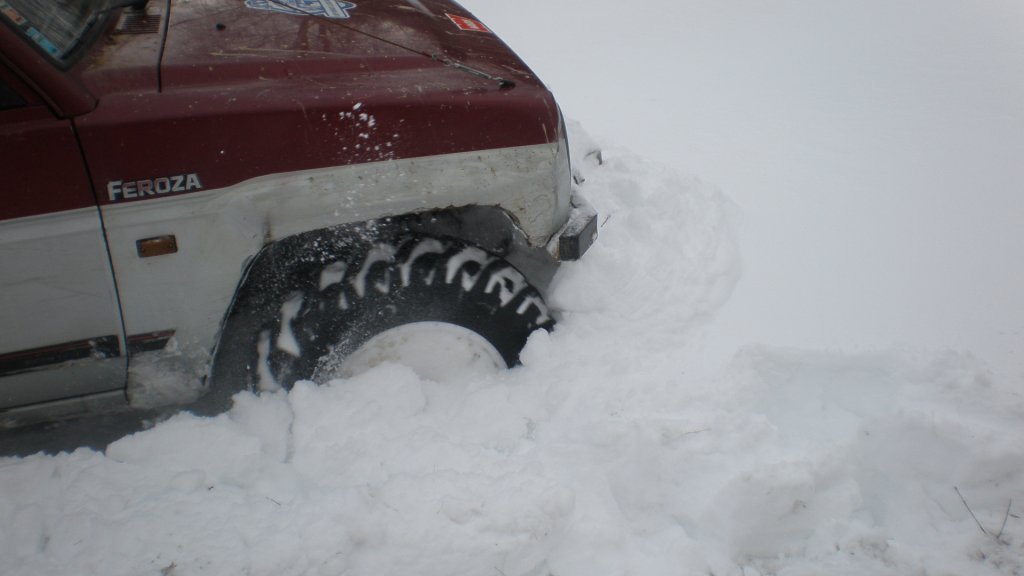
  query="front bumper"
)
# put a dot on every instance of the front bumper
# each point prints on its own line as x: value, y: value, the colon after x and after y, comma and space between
x: 578, y: 233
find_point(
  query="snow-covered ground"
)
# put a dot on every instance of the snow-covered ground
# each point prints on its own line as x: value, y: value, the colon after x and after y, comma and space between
x: 796, y: 348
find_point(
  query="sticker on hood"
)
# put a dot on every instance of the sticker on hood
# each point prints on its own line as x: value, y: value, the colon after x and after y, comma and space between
x: 329, y: 8
x: 467, y: 24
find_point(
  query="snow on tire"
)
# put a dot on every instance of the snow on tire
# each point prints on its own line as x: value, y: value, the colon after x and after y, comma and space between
x: 417, y: 281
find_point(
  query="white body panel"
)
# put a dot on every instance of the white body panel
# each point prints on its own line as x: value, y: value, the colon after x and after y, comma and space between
x: 218, y: 231
x: 56, y: 280
x: 57, y: 288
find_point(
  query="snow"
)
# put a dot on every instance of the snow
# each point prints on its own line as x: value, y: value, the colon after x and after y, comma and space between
x: 873, y: 149
x: 793, y: 350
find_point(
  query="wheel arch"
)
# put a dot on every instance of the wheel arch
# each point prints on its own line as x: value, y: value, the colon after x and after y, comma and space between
x: 487, y: 227
x: 273, y: 271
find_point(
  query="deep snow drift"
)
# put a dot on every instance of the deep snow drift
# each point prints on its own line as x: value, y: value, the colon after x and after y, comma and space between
x: 873, y: 148
x: 615, y: 449
x: 670, y: 425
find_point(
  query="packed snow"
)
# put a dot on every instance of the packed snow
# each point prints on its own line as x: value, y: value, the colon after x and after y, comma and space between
x: 793, y: 350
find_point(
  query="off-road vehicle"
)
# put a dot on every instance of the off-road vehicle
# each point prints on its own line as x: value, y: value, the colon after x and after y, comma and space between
x: 203, y: 196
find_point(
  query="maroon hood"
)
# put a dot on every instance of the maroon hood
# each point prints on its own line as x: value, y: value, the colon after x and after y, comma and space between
x: 244, y: 90
x: 218, y: 41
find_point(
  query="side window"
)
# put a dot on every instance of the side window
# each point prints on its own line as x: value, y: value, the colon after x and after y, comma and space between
x: 8, y: 97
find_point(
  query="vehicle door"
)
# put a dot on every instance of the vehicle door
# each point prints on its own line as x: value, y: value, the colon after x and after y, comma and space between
x: 60, y: 326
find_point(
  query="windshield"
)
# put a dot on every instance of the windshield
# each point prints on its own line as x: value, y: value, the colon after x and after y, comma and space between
x: 58, y: 27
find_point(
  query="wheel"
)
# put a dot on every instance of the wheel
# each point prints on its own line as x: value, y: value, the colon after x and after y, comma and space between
x: 435, y: 304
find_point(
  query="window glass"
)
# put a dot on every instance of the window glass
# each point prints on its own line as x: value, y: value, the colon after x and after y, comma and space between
x: 59, y: 28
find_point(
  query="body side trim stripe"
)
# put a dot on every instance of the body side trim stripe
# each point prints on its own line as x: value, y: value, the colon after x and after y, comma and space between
x: 101, y: 347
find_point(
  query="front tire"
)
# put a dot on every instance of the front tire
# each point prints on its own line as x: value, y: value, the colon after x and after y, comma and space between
x: 337, y: 308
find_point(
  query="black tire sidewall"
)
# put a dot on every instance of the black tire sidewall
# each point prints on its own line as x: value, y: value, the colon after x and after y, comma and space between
x: 322, y: 327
